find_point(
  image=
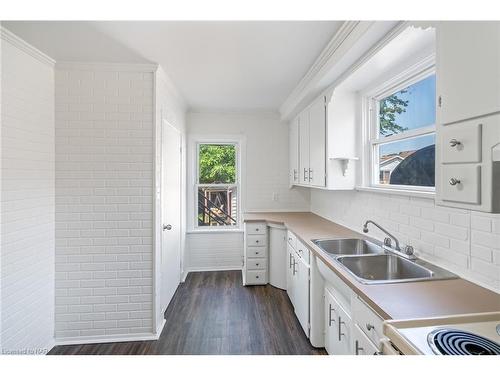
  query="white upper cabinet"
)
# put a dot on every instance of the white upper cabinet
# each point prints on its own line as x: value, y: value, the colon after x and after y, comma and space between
x: 294, y: 151
x: 304, y: 176
x: 326, y: 143
x: 317, y: 142
x: 467, y: 70
x: 468, y: 123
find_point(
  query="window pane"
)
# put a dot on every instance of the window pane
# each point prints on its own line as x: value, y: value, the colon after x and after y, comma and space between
x: 408, y: 162
x: 217, y: 206
x: 411, y: 108
x: 217, y: 164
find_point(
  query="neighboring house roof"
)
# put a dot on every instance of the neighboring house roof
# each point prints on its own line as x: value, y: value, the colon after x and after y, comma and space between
x: 391, y: 161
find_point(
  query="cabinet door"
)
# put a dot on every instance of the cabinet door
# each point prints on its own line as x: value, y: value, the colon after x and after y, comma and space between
x: 468, y: 70
x: 302, y: 294
x: 277, y: 257
x: 331, y: 321
x: 317, y: 142
x: 290, y: 272
x: 344, y: 332
x: 304, y: 148
x: 338, y: 327
x: 294, y: 151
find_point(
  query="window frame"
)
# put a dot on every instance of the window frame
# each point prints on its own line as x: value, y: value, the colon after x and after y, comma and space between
x: 370, y: 126
x: 236, y: 185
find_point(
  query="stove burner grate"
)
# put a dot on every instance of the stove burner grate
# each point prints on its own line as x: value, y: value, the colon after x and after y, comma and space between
x: 456, y: 342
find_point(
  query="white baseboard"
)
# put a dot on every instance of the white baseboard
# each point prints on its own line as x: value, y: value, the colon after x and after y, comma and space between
x: 107, y: 339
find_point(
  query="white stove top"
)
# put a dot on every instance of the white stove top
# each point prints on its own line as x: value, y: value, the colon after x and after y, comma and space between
x: 418, y: 336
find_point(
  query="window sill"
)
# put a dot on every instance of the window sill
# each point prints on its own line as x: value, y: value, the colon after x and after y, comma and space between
x: 404, y: 192
x: 206, y: 231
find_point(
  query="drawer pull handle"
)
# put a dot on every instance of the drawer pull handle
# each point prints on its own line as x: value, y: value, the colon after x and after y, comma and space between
x: 256, y: 264
x: 256, y: 229
x: 256, y: 241
x: 358, y: 348
x: 256, y: 277
x: 454, y: 143
x: 340, y: 328
x: 369, y: 326
x: 454, y: 181
x: 330, y: 319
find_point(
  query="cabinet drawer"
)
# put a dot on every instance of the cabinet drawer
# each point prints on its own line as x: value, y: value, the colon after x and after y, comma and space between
x: 257, y: 252
x: 256, y: 228
x: 256, y: 264
x: 256, y: 277
x: 461, y: 183
x: 461, y: 143
x: 362, y: 344
x: 292, y: 240
x: 368, y: 321
x: 257, y: 240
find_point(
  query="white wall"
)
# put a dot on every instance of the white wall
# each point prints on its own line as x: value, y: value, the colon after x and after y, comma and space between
x: 265, y: 172
x: 465, y: 242
x: 27, y: 198
x: 104, y: 201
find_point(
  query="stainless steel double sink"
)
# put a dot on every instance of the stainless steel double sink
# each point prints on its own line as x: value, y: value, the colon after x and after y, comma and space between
x: 369, y: 263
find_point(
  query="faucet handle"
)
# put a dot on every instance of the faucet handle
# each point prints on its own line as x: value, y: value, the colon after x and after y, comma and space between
x: 409, y: 250
x: 387, y: 242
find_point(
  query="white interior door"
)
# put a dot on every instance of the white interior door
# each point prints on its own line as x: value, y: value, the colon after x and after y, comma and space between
x: 171, y: 213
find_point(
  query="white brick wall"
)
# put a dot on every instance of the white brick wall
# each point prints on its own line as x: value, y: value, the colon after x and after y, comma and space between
x: 27, y: 198
x: 104, y: 204
x: 463, y: 241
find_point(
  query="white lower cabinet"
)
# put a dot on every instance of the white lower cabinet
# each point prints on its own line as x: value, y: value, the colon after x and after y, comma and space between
x: 255, y: 262
x: 301, y: 294
x: 298, y: 282
x: 338, y: 327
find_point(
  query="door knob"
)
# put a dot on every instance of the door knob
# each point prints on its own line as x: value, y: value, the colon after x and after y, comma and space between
x: 167, y: 227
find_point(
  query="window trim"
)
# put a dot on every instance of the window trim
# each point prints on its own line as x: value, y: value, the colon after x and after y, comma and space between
x: 369, y: 122
x: 223, y: 141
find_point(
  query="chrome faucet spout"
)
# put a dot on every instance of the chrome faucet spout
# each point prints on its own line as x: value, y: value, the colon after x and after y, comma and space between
x: 387, y: 241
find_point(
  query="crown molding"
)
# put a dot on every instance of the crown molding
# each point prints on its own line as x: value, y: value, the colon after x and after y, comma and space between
x: 102, y: 66
x: 24, y: 46
x: 319, y: 64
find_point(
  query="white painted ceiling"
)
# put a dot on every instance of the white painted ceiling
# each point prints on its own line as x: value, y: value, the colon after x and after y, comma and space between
x: 220, y: 65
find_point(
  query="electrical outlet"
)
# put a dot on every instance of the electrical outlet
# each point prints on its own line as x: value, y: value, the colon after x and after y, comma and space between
x: 276, y: 197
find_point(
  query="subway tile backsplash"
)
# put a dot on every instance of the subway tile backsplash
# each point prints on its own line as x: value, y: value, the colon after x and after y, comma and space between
x: 466, y: 242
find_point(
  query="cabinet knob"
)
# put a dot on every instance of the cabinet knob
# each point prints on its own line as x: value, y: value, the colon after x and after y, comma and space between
x: 256, y: 241
x: 454, y: 181
x: 256, y: 264
x: 369, y: 327
x: 256, y: 277
x: 256, y: 229
x: 454, y: 142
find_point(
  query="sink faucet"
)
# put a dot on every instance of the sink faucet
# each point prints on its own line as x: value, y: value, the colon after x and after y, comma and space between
x: 406, y: 253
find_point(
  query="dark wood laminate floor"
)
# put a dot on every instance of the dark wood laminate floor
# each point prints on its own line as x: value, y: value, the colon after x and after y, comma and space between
x: 212, y: 313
